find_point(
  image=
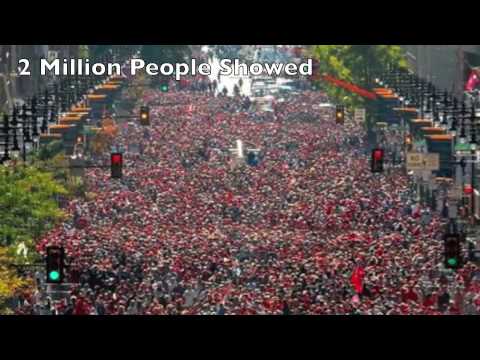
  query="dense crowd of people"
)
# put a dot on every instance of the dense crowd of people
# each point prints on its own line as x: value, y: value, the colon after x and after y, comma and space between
x: 191, y: 229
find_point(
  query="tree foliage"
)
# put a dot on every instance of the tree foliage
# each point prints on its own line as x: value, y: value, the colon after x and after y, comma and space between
x: 27, y: 203
x: 105, y: 138
x: 10, y: 282
x: 356, y: 64
x: 50, y: 150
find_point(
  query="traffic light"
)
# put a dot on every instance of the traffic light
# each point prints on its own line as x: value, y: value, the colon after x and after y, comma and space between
x: 340, y: 114
x: 55, y: 264
x: 164, y: 86
x: 453, y: 251
x: 408, y: 140
x: 377, y: 160
x: 116, y: 165
x: 145, y: 116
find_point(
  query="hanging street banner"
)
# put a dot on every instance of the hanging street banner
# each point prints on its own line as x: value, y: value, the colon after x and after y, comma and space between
x: 349, y: 87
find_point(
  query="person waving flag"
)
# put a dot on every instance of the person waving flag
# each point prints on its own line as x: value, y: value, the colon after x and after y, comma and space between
x: 357, y: 279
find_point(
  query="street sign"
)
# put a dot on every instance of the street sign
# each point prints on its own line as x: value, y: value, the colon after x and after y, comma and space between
x: 423, y: 162
x: 360, y: 115
x: 415, y: 162
x: 432, y: 162
x: 462, y: 147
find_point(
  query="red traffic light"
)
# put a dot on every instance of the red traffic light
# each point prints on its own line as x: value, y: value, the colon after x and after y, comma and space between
x: 116, y: 165
x: 377, y: 160
x: 378, y: 155
x: 117, y: 159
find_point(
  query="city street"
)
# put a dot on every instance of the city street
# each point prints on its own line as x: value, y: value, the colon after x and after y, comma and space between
x: 169, y: 198
x: 230, y: 81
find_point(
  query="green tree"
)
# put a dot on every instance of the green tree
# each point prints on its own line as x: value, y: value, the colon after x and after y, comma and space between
x: 356, y: 64
x: 10, y: 282
x: 50, y: 150
x: 28, y: 204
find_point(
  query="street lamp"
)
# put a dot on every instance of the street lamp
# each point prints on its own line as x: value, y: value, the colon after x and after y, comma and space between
x: 473, y: 141
x: 463, y: 135
x: 453, y: 128
x: 444, y: 123
x: 436, y: 119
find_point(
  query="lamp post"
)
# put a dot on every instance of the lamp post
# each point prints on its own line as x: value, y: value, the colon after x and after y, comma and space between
x: 34, y: 122
x: 6, y: 130
x: 16, y: 148
x: 473, y: 147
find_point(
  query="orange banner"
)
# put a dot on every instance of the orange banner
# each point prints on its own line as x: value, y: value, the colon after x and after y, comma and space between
x: 350, y: 87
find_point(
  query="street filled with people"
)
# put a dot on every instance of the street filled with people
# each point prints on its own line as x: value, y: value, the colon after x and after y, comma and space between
x: 307, y: 229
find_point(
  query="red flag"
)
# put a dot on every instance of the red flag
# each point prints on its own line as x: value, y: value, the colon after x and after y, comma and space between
x: 357, y: 279
x: 473, y: 81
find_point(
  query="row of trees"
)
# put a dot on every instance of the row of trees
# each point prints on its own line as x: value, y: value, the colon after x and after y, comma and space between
x: 356, y: 64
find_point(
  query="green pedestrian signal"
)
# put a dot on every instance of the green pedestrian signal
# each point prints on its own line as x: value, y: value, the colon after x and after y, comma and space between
x: 55, y: 264
x: 452, y: 262
x: 164, y: 88
x: 453, y: 251
x: 54, y: 275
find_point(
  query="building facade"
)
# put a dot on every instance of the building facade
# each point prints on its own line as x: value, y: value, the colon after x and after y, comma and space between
x: 14, y: 87
x: 444, y: 65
